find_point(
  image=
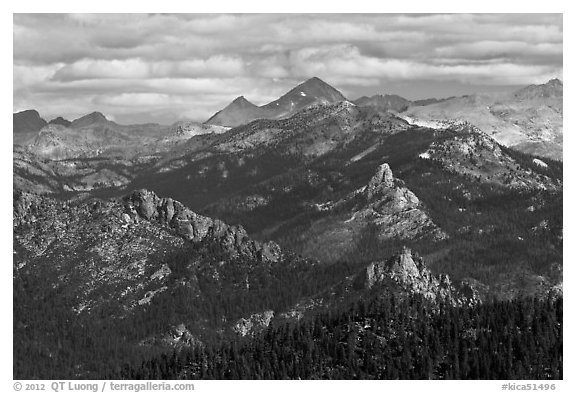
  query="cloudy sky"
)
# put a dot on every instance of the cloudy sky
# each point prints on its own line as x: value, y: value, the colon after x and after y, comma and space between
x: 138, y: 68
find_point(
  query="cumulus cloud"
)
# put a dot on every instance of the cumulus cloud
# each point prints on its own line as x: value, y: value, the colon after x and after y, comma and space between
x: 193, y: 65
x: 348, y: 61
x: 222, y: 66
x: 502, y: 49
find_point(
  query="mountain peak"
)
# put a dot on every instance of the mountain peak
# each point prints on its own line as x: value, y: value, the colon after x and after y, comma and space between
x: 312, y: 91
x: 242, y: 101
x: 239, y: 111
x: 27, y: 121
x: 382, y: 179
x: 314, y: 80
x: 89, y: 119
x: 61, y: 121
x: 33, y: 112
x: 551, y: 89
x: 96, y: 116
x: 314, y: 84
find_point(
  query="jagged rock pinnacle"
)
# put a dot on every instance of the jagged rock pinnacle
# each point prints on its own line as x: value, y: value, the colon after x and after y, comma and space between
x: 409, y: 272
x: 382, y: 178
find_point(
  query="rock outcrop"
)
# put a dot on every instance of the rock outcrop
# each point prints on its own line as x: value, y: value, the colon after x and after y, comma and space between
x: 146, y: 205
x: 254, y: 323
x: 394, y: 209
x: 381, y: 180
x: 409, y: 272
x: 384, y: 207
x: 178, y: 337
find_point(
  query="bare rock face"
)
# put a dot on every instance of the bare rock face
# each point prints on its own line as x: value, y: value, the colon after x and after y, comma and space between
x: 395, y: 209
x: 147, y: 205
x: 382, y: 179
x: 144, y: 204
x: 178, y: 337
x: 253, y: 324
x: 402, y: 268
x: 410, y: 273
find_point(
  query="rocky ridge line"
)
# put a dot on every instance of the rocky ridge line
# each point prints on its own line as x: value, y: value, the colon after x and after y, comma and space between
x: 144, y: 204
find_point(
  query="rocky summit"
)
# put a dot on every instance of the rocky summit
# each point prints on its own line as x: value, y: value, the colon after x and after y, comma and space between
x: 381, y: 181
x: 394, y: 209
x: 89, y: 119
x: 410, y: 273
x: 61, y: 121
x: 27, y: 122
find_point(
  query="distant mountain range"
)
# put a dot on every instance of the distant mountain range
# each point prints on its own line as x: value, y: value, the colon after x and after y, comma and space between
x: 529, y: 120
x: 312, y: 92
x: 93, y: 135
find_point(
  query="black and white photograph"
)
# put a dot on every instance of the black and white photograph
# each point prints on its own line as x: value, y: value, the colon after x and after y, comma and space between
x: 301, y: 196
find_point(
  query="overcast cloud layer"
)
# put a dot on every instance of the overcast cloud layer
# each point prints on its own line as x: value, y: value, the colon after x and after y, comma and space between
x: 162, y: 68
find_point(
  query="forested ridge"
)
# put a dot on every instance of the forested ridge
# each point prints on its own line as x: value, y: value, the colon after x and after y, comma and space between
x: 372, y: 334
x: 386, y: 338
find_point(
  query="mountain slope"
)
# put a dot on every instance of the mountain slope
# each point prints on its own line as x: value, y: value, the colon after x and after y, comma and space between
x: 141, y: 275
x: 386, y: 338
x: 529, y: 120
x: 105, y: 284
x: 126, y: 258
x: 384, y: 102
x: 383, y: 206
